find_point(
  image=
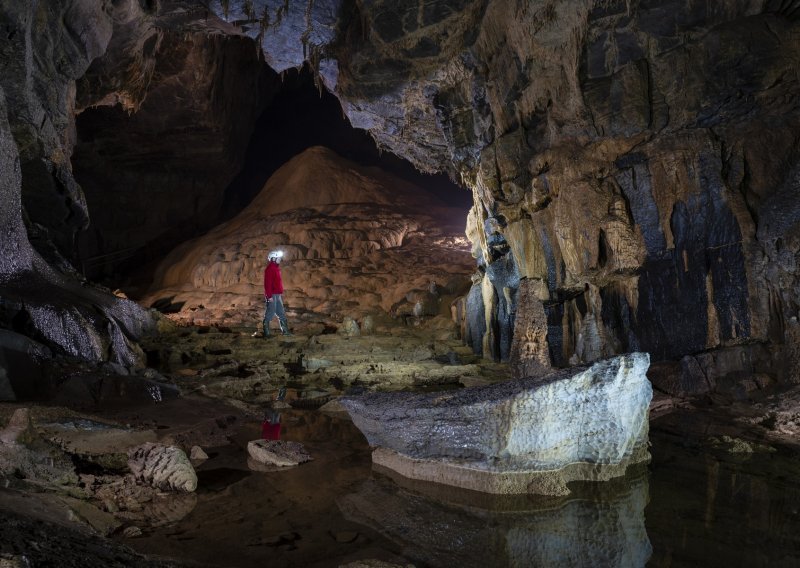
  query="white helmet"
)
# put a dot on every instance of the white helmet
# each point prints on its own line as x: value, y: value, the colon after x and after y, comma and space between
x: 275, y: 255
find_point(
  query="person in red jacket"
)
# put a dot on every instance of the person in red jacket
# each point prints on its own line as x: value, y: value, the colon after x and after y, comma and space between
x: 273, y: 293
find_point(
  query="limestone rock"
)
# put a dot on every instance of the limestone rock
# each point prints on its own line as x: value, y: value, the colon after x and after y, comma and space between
x: 350, y: 327
x: 530, y: 355
x: 36, y: 100
x: 131, y: 501
x: 163, y: 467
x: 524, y: 435
x: 357, y: 242
x: 19, y: 424
x: 277, y: 452
x: 198, y: 454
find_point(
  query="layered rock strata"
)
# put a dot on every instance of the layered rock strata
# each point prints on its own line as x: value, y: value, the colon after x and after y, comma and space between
x: 198, y: 83
x: 521, y: 436
x: 357, y: 241
x: 633, y: 160
x: 54, y: 308
x: 164, y: 118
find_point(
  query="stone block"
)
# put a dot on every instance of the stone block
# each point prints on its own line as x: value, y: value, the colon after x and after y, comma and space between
x: 162, y: 467
x: 520, y: 436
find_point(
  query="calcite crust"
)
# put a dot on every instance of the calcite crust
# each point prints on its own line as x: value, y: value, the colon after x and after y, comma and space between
x: 521, y: 436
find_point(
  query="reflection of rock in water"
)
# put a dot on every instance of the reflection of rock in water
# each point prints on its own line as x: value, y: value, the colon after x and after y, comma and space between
x: 599, y: 527
x: 163, y: 511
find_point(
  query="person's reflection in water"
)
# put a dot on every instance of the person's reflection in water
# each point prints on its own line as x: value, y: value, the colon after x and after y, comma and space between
x: 271, y: 427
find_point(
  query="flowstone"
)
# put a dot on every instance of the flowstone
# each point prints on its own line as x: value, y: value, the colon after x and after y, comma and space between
x: 521, y: 436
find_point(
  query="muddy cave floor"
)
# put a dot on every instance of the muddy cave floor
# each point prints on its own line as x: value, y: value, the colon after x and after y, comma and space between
x: 723, y: 487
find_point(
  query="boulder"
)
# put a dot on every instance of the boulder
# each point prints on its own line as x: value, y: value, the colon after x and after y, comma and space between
x: 278, y: 452
x: 520, y: 436
x: 19, y: 424
x: 350, y: 327
x: 162, y: 467
x: 198, y: 454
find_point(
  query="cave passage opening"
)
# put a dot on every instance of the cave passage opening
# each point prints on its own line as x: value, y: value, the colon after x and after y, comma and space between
x: 167, y: 173
x: 303, y: 114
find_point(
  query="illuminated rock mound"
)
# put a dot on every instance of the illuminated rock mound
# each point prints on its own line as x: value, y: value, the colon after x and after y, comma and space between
x: 521, y: 436
x: 356, y: 241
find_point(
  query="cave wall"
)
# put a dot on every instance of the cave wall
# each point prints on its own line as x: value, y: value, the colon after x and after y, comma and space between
x: 46, y: 307
x: 637, y: 159
x: 174, y: 143
x: 634, y: 163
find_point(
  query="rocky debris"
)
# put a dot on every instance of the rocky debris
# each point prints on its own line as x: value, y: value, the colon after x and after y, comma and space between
x: 19, y: 424
x: 197, y: 454
x: 45, y: 538
x: 357, y: 242
x: 394, y: 357
x: 162, y: 467
x: 132, y: 502
x: 524, y: 435
x: 54, y: 456
x: 88, y: 438
x: 459, y: 532
x: 132, y: 532
x: 102, y: 522
x: 776, y: 415
x: 350, y: 327
x: 278, y: 452
x: 25, y: 456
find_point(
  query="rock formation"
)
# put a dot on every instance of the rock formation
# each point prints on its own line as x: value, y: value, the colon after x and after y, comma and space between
x: 163, y: 467
x: 633, y: 159
x: 356, y: 241
x: 43, y: 297
x: 635, y: 162
x: 521, y: 436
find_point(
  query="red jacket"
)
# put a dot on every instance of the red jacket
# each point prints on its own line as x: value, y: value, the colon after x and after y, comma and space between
x: 272, y: 280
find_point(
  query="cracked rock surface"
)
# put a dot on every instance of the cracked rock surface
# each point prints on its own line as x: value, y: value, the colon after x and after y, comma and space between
x: 596, y: 415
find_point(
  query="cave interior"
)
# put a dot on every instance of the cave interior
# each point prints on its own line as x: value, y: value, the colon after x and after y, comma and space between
x: 465, y: 192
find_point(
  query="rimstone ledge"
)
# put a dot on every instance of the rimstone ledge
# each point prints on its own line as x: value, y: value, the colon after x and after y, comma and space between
x: 523, y: 436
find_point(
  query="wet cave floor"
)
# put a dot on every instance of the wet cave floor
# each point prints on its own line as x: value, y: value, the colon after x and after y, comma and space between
x: 704, y: 506
x: 716, y: 493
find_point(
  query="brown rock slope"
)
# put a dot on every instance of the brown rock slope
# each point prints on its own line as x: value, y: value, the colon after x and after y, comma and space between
x: 357, y: 241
